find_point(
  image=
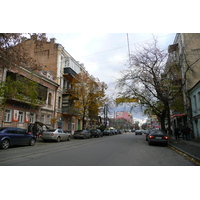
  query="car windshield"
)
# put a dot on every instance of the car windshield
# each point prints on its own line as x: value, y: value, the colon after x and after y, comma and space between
x: 50, y: 130
x: 158, y: 132
x: 2, y: 128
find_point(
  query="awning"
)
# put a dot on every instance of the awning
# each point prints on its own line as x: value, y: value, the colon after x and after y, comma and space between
x: 178, y: 115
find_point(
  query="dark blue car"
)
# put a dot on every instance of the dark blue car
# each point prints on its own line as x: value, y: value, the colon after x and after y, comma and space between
x: 11, y: 136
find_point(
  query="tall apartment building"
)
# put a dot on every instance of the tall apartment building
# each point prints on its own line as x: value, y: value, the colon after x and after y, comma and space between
x: 54, y: 58
x: 185, y: 52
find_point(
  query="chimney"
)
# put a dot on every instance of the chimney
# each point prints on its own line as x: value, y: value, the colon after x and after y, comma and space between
x: 52, y: 40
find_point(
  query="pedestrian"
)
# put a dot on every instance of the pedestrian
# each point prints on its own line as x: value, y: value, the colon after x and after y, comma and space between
x: 35, y: 130
x: 30, y: 129
x: 177, y: 133
x: 187, y: 131
x: 44, y: 128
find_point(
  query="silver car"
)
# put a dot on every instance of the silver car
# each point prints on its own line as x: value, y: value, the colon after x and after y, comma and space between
x: 55, y: 134
x: 82, y: 134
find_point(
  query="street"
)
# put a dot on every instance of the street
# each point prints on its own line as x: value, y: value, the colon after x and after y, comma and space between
x: 126, y: 149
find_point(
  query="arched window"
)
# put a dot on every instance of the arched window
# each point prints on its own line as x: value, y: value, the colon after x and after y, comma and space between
x: 49, y: 99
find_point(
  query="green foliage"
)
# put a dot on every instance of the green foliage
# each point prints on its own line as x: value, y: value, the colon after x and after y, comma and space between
x: 89, y: 95
x: 24, y: 90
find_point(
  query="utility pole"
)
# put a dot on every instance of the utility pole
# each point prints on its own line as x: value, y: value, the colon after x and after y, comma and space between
x: 105, y: 114
x: 129, y: 55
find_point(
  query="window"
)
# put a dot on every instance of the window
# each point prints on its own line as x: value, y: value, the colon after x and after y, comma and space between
x: 198, y: 100
x: 43, y: 119
x: 195, y: 102
x: 12, y: 130
x: 49, y: 99
x: 21, y: 117
x: 59, y: 102
x: 20, y: 131
x: 7, y: 116
x: 48, y: 119
x: 32, y: 118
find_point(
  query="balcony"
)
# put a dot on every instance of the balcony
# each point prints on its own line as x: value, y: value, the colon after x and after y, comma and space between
x: 68, y: 91
x: 69, y: 73
x: 69, y: 111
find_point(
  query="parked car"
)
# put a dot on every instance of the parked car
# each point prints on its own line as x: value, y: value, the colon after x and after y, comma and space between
x: 107, y: 132
x: 82, y: 134
x: 112, y: 131
x: 55, y: 134
x: 138, y: 132
x: 96, y: 133
x: 147, y: 134
x: 158, y: 137
x: 119, y: 131
x: 11, y: 136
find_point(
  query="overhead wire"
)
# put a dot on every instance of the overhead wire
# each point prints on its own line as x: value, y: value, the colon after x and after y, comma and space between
x: 122, y: 46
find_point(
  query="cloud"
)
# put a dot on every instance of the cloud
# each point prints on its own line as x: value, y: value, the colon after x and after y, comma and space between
x: 105, y: 55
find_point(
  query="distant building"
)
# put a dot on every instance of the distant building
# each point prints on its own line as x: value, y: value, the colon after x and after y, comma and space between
x: 124, y: 115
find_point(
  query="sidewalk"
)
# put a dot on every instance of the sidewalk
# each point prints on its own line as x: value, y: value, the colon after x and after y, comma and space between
x: 190, y: 148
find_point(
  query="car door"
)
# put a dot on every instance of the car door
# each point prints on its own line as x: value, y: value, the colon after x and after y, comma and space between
x: 66, y: 134
x: 23, y: 136
x: 12, y: 134
x: 61, y: 134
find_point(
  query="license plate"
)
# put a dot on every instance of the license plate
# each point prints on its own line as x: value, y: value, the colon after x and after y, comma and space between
x: 158, y: 137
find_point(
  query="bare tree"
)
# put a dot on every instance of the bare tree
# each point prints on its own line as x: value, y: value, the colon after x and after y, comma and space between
x: 147, y: 80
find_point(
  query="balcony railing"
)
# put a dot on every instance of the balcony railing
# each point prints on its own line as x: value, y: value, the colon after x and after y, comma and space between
x: 69, y: 71
x: 70, y: 111
x: 68, y: 91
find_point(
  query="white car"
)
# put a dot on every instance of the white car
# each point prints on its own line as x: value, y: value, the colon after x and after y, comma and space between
x: 138, y: 132
x: 55, y: 134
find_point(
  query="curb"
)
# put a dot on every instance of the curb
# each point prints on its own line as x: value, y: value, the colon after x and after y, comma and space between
x: 190, y: 157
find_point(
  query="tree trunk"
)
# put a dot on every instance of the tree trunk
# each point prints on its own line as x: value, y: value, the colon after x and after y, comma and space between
x: 162, y: 120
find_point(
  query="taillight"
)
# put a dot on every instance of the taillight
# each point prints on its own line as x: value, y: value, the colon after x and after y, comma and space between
x: 165, y: 137
x: 151, y: 136
x: 52, y: 134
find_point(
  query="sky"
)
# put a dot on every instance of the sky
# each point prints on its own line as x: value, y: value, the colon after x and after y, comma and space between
x: 104, y: 55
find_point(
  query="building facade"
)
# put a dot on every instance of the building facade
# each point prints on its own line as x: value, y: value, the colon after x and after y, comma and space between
x: 64, y: 67
x: 185, y: 53
x: 124, y: 115
x: 20, y: 113
x: 194, y: 94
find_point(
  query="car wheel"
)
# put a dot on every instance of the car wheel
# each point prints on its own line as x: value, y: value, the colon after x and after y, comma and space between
x: 69, y: 138
x: 32, y: 142
x: 5, y: 144
x: 58, y: 139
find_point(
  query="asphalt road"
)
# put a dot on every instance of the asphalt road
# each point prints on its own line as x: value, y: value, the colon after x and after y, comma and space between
x: 127, y: 149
